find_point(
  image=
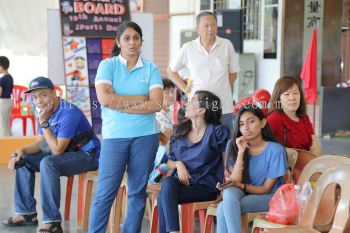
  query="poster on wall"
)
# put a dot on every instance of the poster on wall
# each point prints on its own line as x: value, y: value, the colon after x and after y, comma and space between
x: 75, y: 61
x: 80, y: 96
x: 94, y: 18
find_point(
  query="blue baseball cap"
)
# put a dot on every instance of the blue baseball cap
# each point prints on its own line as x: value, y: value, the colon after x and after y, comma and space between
x: 38, y: 83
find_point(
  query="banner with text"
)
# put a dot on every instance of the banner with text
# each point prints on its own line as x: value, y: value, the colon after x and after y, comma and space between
x: 94, y: 18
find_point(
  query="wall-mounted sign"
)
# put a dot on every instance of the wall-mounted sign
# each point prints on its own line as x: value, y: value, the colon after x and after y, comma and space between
x: 93, y: 18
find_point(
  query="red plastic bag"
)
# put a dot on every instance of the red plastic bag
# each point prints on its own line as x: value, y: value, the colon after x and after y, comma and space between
x: 284, y: 207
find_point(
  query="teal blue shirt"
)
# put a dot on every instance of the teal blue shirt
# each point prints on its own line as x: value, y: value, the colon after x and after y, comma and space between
x: 143, y: 77
x: 271, y: 163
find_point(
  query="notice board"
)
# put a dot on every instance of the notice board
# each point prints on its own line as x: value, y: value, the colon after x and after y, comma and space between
x: 99, y: 18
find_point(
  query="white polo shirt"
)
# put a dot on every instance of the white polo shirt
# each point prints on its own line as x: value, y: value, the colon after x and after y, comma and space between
x: 209, y: 71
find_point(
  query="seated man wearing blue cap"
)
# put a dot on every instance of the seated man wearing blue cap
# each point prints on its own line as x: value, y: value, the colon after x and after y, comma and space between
x: 65, y: 146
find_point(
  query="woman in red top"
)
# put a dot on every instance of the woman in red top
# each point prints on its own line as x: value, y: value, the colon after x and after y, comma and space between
x: 288, y: 119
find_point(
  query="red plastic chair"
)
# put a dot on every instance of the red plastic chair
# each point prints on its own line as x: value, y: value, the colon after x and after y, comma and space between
x: 70, y: 180
x: 188, y: 212
x: 80, y: 201
x: 17, y: 96
x: 85, y: 184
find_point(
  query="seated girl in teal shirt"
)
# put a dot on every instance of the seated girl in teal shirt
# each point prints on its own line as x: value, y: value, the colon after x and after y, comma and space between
x: 259, y: 166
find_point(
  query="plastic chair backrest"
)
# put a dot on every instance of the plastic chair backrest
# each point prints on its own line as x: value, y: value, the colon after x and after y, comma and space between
x: 59, y: 91
x: 304, y: 157
x: 339, y: 175
x: 292, y: 156
x: 320, y: 165
x: 17, y: 95
x: 327, y: 206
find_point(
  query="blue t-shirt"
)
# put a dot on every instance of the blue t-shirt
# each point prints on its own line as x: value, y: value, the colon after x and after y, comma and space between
x: 203, y: 159
x: 69, y: 121
x: 270, y: 163
x: 6, y: 83
x: 139, y: 81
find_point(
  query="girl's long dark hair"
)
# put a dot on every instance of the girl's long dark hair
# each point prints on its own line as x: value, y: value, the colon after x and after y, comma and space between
x: 266, y: 133
x: 212, y: 115
x: 121, y: 28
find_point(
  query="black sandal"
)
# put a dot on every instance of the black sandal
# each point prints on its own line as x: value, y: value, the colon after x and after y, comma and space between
x: 28, y: 221
x: 55, y: 227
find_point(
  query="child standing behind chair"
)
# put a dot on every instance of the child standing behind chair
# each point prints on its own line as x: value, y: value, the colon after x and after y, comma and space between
x: 165, y: 120
x: 196, y: 150
x: 259, y: 166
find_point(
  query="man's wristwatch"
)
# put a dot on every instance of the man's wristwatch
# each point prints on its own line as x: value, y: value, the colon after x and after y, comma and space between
x: 45, y: 125
x: 13, y: 155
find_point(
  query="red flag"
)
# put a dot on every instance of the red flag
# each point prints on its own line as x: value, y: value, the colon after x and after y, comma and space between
x: 309, y: 71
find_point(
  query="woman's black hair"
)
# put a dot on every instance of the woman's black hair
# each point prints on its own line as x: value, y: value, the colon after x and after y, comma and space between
x: 266, y: 133
x: 121, y: 28
x: 212, y: 115
x: 181, y: 115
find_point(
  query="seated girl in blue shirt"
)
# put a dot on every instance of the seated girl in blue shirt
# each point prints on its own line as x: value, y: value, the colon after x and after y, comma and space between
x: 196, y: 151
x: 259, y: 166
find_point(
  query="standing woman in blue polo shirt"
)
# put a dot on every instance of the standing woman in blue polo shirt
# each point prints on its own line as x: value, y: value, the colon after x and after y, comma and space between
x: 6, y: 86
x: 130, y: 91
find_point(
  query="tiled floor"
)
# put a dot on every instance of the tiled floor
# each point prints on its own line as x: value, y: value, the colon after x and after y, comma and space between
x: 329, y: 146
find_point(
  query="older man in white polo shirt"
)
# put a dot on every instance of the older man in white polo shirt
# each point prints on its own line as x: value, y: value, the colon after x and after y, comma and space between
x: 212, y: 62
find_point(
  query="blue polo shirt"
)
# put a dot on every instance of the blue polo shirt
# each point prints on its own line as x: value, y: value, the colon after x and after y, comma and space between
x: 203, y: 159
x: 69, y: 121
x: 6, y: 83
x: 144, y: 77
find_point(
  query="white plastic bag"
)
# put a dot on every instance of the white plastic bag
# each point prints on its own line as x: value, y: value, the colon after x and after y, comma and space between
x: 303, y: 199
